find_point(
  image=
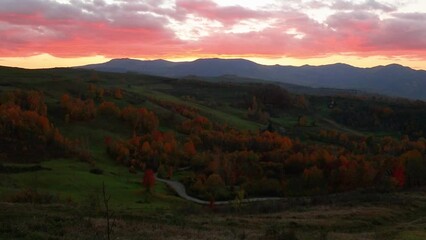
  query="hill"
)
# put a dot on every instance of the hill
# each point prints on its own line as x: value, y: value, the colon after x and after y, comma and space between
x: 392, y: 80
x: 76, y: 142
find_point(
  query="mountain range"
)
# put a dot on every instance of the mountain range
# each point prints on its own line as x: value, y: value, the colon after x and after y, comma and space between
x: 391, y: 80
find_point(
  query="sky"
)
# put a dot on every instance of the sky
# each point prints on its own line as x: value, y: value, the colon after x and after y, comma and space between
x: 364, y: 33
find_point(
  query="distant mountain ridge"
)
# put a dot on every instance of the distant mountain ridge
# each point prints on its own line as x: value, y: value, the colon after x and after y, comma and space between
x: 392, y: 80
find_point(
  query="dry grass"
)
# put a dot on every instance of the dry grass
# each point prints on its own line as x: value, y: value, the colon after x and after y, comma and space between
x: 322, y: 222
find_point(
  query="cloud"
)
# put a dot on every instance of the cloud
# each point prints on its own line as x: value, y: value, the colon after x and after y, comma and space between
x: 354, y: 32
x: 364, y: 5
x: 367, y: 32
x: 150, y: 28
x: 224, y: 14
x: 83, y: 28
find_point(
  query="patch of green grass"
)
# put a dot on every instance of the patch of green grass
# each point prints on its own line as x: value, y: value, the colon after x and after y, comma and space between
x: 212, y: 113
x: 70, y: 178
x: 287, y: 121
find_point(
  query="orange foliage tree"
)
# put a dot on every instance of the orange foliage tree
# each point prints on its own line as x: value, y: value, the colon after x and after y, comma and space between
x: 28, y: 136
x: 77, y: 109
x: 140, y: 119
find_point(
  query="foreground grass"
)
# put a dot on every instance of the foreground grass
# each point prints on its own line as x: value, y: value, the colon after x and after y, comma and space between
x: 368, y: 216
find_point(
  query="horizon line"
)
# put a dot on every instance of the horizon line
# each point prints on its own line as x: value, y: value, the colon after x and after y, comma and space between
x: 189, y: 60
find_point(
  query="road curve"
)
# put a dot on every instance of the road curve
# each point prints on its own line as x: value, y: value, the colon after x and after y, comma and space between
x: 180, y: 190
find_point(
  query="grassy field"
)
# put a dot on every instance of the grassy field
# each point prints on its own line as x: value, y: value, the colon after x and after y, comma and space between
x: 70, y: 179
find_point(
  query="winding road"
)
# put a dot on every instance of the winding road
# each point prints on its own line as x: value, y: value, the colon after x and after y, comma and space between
x: 180, y: 190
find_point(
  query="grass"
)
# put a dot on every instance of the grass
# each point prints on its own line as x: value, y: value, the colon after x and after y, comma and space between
x: 412, y: 235
x: 286, y: 121
x: 212, y: 113
x: 71, y: 179
x: 337, y: 221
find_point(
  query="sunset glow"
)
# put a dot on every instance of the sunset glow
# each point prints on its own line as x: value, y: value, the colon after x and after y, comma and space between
x: 54, y: 33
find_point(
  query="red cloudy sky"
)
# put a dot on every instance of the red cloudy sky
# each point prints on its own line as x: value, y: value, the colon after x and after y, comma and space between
x: 48, y: 33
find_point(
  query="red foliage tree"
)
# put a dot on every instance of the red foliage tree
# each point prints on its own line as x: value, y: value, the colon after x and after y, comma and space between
x: 109, y: 109
x: 77, y: 109
x: 189, y: 149
x: 148, y: 180
x: 118, y: 93
x: 140, y: 119
x: 399, y: 175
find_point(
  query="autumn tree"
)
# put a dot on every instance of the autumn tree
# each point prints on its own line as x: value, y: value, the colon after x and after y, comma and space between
x: 314, y: 179
x: 109, y: 109
x: 77, y: 109
x: 28, y: 136
x: 118, y: 93
x: 189, y: 149
x: 255, y: 112
x: 141, y: 119
x: 26, y: 100
x: 415, y: 168
x: 95, y: 92
x: 214, y: 185
x: 300, y: 102
x: 196, y: 124
x: 148, y: 180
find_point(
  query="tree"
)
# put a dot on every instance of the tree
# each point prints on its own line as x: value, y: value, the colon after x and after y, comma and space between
x: 415, y: 167
x: 25, y: 135
x: 118, y: 93
x: 140, y: 119
x: 255, y: 112
x: 313, y: 179
x: 301, y: 102
x: 146, y: 147
x: 189, y: 149
x: 214, y: 185
x: 239, y: 198
x: 399, y: 175
x: 108, y: 213
x: 78, y: 109
x: 148, y: 180
x: 65, y: 101
x: 109, y: 109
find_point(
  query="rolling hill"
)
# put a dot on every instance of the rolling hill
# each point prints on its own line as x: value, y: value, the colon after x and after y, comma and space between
x: 317, y: 173
x: 392, y: 80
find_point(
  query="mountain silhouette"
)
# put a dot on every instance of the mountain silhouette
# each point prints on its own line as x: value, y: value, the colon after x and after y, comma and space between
x: 392, y: 80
